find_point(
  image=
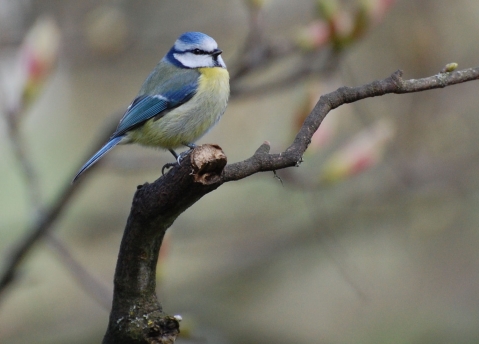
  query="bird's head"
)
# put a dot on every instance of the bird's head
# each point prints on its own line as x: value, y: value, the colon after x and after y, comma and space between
x: 195, y: 50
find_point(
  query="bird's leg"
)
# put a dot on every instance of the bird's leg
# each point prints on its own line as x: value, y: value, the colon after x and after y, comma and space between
x: 174, y: 153
x: 180, y: 157
x: 170, y: 164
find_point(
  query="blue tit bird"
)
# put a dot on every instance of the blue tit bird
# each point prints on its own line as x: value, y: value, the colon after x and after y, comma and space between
x: 179, y: 102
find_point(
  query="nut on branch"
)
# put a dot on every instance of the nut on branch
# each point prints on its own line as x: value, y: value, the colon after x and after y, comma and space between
x: 208, y: 161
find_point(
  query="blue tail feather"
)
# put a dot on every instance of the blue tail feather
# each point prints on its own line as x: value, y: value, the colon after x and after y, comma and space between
x: 105, y: 149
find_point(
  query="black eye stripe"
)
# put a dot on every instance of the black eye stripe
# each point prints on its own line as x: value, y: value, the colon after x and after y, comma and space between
x: 199, y: 52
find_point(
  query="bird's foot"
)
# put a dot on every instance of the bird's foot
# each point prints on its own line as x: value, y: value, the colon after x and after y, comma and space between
x: 168, y: 166
x: 178, y: 157
x: 183, y: 155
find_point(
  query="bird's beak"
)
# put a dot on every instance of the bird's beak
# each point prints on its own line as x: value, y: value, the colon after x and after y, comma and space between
x: 217, y: 52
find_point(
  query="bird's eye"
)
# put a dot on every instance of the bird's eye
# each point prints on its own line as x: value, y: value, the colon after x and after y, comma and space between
x: 197, y: 51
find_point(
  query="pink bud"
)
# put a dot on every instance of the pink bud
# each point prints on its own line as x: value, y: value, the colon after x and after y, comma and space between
x: 39, y: 53
x: 379, y: 8
x: 314, y: 36
x: 363, y: 151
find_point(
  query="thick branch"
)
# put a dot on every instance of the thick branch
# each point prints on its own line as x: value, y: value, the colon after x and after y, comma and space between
x: 136, y: 315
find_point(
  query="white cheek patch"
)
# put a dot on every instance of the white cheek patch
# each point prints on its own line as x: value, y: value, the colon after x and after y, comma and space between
x: 191, y: 60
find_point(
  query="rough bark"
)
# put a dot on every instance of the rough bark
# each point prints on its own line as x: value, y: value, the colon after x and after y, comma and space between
x: 137, y: 316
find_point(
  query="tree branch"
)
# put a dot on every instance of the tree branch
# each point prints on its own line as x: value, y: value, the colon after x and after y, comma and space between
x: 137, y: 315
x: 41, y: 227
x: 262, y: 161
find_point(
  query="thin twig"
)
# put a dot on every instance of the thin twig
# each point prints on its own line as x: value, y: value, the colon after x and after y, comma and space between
x: 262, y: 161
x: 19, y: 149
x: 91, y: 285
x: 44, y: 224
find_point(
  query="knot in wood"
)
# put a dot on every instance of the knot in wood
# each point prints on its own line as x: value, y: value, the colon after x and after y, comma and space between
x: 208, y: 162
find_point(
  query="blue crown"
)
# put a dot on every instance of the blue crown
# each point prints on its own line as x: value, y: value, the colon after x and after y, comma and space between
x: 193, y: 37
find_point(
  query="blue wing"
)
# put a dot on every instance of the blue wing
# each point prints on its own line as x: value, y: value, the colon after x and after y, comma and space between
x: 167, y: 88
x: 145, y: 107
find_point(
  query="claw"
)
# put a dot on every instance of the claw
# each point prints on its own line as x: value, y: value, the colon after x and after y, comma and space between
x: 167, y: 166
x: 182, y: 155
x: 178, y: 157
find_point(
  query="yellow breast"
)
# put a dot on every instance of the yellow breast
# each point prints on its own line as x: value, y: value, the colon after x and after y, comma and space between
x: 190, y: 121
x: 216, y: 79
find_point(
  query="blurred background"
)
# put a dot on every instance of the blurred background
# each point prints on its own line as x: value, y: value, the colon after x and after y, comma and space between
x: 373, y: 239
